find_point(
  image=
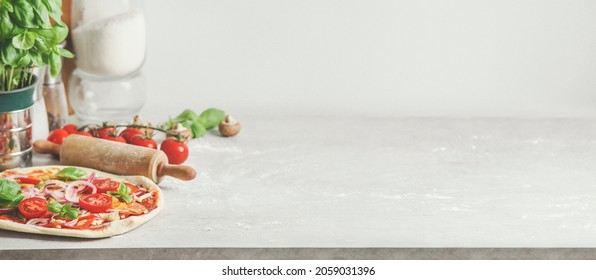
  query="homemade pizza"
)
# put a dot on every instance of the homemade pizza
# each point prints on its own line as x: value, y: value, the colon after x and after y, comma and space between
x: 74, y: 201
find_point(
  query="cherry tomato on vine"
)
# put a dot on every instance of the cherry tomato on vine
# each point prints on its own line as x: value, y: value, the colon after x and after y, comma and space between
x: 143, y: 141
x: 97, y: 202
x: 33, y: 207
x: 176, y: 151
x: 57, y: 136
x: 115, y: 138
x: 71, y: 128
x: 84, y: 133
x: 129, y: 132
x: 106, y: 132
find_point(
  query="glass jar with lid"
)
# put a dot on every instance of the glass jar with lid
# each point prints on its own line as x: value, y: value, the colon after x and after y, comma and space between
x: 109, y: 38
x: 97, y: 100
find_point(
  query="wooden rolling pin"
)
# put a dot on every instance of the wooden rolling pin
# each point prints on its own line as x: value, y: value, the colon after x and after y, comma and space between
x: 114, y: 157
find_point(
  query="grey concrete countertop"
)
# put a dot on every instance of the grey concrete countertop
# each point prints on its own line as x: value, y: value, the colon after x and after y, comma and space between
x: 297, y: 182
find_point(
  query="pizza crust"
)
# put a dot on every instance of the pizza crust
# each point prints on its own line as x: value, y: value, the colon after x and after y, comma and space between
x: 114, y: 228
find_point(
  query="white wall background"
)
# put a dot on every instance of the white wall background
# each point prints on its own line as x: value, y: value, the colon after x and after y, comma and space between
x: 521, y: 58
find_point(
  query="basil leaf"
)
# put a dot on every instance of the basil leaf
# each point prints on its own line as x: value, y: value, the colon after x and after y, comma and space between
x: 211, y: 118
x: 16, y: 200
x: 24, y: 61
x: 41, y: 45
x: 6, y: 24
x: 68, y: 212
x: 197, y: 124
x: 186, y: 124
x: 55, y: 63
x: 24, y: 41
x: 9, y: 189
x: 54, y: 207
x: 65, y: 210
x: 72, y: 214
x: 54, y: 8
x: 23, y: 13
x: 66, y: 207
x: 123, y: 188
x: 126, y: 198
x: 71, y: 173
x: 65, y: 53
x: 48, y: 35
x: 197, y: 130
x: 36, y: 58
x: 10, y: 54
x: 41, y: 14
x: 8, y: 6
x: 186, y: 115
x: 123, y: 193
x: 10, y: 193
x: 60, y: 31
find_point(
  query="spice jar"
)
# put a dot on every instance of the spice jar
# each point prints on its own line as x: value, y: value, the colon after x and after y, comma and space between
x: 54, y: 96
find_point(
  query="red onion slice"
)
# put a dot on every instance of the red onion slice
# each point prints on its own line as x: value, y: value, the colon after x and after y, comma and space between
x: 72, y: 223
x: 91, y: 177
x: 71, y: 194
x: 46, y: 188
x: 38, y: 221
x: 51, y: 187
x: 30, y: 192
x: 84, y: 186
x: 6, y: 210
x: 77, y: 187
x: 57, y: 194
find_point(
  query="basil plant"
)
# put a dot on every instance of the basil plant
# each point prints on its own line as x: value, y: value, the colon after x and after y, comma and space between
x: 30, y: 34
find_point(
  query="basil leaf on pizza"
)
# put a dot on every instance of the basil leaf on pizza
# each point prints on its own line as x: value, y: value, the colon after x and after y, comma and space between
x: 71, y: 173
x: 54, y: 207
x: 123, y: 193
x: 65, y: 210
x: 10, y: 193
x: 73, y: 201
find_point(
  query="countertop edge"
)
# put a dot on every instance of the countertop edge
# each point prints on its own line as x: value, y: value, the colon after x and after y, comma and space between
x: 304, y: 254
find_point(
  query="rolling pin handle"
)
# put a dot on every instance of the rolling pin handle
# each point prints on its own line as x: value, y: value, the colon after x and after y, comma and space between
x: 46, y: 147
x: 182, y: 172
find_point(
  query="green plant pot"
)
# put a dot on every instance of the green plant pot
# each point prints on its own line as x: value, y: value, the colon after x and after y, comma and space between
x: 18, y: 99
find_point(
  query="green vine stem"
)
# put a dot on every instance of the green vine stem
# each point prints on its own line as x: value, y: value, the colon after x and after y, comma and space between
x: 166, y: 132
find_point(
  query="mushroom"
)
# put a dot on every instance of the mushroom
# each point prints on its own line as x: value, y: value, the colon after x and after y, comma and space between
x: 184, y: 132
x: 138, y: 121
x: 229, y: 126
